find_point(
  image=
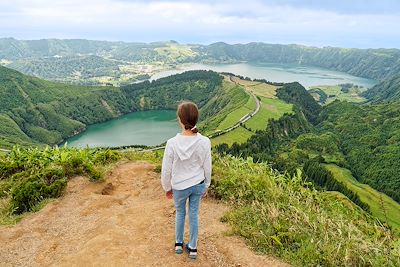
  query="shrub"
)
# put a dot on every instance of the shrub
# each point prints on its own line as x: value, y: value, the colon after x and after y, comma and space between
x: 30, y: 175
x: 30, y: 192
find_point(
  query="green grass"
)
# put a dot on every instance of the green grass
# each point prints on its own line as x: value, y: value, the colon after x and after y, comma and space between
x: 382, y: 206
x: 263, y: 89
x: 233, y: 117
x: 278, y: 215
x: 238, y: 135
x: 258, y: 88
x: 226, y: 108
x: 270, y: 109
x: 334, y: 92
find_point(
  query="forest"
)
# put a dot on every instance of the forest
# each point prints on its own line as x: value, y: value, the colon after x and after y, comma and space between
x: 386, y: 91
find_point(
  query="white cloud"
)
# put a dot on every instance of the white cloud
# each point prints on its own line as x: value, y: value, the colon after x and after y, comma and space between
x: 191, y: 21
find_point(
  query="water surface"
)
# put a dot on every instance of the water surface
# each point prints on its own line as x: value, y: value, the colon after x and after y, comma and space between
x: 306, y: 75
x: 138, y: 128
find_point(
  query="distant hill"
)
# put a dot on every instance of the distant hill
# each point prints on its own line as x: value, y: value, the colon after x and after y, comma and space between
x: 103, y: 58
x: 370, y: 63
x: 88, y: 62
x: 35, y: 111
x: 14, y: 49
x: 11, y: 48
x: 386, y: 91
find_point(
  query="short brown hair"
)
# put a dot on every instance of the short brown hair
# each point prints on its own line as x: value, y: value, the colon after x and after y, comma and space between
x: 188, y: 113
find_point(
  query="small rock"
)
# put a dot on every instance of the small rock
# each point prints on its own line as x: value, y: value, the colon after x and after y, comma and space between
x: 107, y: 190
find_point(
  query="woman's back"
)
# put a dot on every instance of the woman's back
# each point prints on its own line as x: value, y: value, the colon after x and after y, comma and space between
x: 189, y: 158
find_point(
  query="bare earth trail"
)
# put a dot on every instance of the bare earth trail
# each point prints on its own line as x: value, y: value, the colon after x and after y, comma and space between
x: 128, y: 223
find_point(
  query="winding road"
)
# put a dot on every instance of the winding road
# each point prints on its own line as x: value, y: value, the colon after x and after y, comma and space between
x: 244, y: 119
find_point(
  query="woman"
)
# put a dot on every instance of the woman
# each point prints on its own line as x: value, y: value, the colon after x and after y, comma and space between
x: 186, y: 174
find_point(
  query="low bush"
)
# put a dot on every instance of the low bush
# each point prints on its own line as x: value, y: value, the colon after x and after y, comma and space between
x: 30, y: 175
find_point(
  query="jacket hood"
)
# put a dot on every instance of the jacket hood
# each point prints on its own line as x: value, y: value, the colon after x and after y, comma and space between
x: 185, y: 146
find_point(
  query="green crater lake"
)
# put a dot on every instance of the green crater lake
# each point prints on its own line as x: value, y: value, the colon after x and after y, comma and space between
x: 137, y: 128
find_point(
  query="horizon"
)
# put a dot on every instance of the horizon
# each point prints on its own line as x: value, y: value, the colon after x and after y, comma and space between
x: 358, y: 24
x: 205, y: 44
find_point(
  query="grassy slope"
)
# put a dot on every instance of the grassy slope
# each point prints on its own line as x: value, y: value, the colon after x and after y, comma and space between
x: 270, y: 109
x: 279, y: 216
x: 390, y: 209
x: 234, y: 102
x: 238, y: 135
x: 175, y: 52
x: 233, y: 117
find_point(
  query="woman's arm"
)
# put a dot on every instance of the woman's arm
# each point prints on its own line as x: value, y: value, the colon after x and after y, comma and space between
x: 207, y: 165
x: 166, y: 168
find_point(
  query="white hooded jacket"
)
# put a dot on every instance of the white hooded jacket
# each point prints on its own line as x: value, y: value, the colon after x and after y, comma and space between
x: 186, y: 162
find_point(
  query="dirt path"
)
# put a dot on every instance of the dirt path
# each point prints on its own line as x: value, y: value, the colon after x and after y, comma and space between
x: 127, y: 224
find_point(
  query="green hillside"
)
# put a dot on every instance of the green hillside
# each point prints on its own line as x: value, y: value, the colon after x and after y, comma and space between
x: 382, y: 206
x: 38, y: 111
x: 226, y: 107
x: 369, y: 138
x: 371, y: 63
x: 88, y: 62
x: 386, y: 91
x: 363, y: 139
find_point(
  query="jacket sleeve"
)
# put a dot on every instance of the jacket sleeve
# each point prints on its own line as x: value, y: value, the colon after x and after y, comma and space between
x: 207, y: 165
x: 166, y: 168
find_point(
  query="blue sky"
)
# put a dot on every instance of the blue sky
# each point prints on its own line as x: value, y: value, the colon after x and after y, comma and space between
x: 351, y: 23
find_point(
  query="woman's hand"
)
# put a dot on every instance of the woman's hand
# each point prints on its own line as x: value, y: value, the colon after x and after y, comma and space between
x: 205, y: 193
x: 169, y: 194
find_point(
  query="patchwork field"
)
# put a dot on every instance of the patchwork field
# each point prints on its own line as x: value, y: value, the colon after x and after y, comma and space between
x: 175, y: 52
x: 326, y: 94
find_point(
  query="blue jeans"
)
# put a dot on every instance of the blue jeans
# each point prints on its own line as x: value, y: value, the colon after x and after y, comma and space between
x: 194, y: 194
